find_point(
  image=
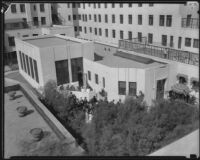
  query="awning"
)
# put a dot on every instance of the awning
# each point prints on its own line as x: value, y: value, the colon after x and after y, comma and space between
x: 181, y: 88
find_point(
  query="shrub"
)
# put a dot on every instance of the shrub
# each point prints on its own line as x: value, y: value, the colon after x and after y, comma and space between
x: 14, y: 67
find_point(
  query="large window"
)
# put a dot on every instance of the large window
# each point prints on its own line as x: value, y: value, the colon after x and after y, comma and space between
x: 113, y: 18
x: 171, y: 41
x: 179, y: 42
x: 43, y: 20
x: 36, y: 70
x: 162, y: 20
x: 85, y: 29
x: 89, y: 75
x: 130, y: 5
x: 31, y: 64
x: 121, y: 19
x: 122, y: 87
x: 140, y: 19
x: 150, y: 20
x: 41, y: 7
x: 105, y: 5
x: 113, y: 33
x: 129, y: 35
x: 90, y: 29
x: 74, y: 17
x: 169, y: 21
x: 196, y: 43
x: 24, y: 63
x: 113, y: 5
x: 121, y: 35
x: 106, y: 32
x: 11, y: 41
x: 129, y: 19
x: 95, y: 17
x: 86, y: 17
x: 22, y: 8
x: 100, y: 32
x: 13, y: 8
x: 106, y: 18
x: 150, y: 38
x: 62, y: 72
x: 77, y: 68
x: 99, y: 18
x: 95, y: 31
x: 20, y: 56
x: 27, y: 64
x: 80, y: 28
x: 69, y: 17
x: 90, y: 17
x: 121, y: 5
x: 140, y: 36
x: 132, y: 88
x: 96, y: 79
x: 164, y: 40
x: 188, y: 42
x: 99, y: 5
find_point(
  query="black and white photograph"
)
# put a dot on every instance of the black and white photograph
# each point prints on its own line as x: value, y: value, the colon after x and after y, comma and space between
x: 100, y: 79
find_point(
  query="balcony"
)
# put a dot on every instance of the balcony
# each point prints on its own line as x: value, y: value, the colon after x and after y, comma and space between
x: 140, y: 46
x: 190, y: 23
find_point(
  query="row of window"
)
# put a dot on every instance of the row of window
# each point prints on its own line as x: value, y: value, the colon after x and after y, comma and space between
x: 162, y: 18
x: 132, y: 88
x: 188, y: 41
x: 96, y: 79
x: 74, y: 5
x: 22, y: 8
x: 29, y: 66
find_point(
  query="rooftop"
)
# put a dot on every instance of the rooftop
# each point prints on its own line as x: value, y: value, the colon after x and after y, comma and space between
x: 46, y: 41
x: 125, y: 60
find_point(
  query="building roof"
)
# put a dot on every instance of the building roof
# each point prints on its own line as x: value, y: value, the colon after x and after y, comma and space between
x: 46, y: 41
x: 132, y: 61
x: 182, y: 147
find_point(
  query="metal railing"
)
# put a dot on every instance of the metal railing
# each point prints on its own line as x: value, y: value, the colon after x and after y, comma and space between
x: 190, y: 23
x: 161, y: 52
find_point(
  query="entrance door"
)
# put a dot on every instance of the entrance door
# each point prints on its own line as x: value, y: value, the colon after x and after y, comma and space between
x: 160, y: 89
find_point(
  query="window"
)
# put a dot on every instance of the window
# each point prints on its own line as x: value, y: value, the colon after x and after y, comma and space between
x: 85, y: 29
x: 113, y: 18
x: 169, y: 21
x: 150, y: 20
x: 24, y: 63
x: 99, y: 5
x: 83, y: 5
x: 121, y: 5
x: 171, y: 41
x: 27, y: 64
x: 99, y: 18
x: 62, y: 72
x: 74, y: 17
x: 75, y: 28
x: 43, y: 20
x: 106, y: 18
x: 34, y: 7
x: 41, y: 7
x: 122, y: 87
x: 150, y: 4
x: 140, y: 36
x: 80, y: 28
x: 96, y: 79
x: 100, y: 32
x: 62, y: 34
x: 196, y: 43
x: 121, y: 35
x: 95, y: 18
x: 188, y: 42
x: 94, y: 5
x: 121, y: 19
x: 35, y: 34
x: 132, y: 88
x: 22, y: 8
x: 77, y: 68
x: 90, y: 17
x: 129, y: 35
x: 79, y: 5
x: 104, y: 83
x: 83, y: 17
x: 105, y: 5
x: 89, y: 5
x: 13, y: 8
x: 11, y: 41
x: 69, y: 18
x: 31, y: 64
x: 73, y: 5
x: 79, y: 17
x: 106, y: 32
x: 95, y: 31
x: 130, y: 5
x: 113, y: 5
x: 86, y: 17
x: 129, y: 19
x: 139, y: 4
x: 20, y: 56
x: 89, y: 75
x: 68, y: 5
x: 162, y: 20
x: 113, y: 33
x: 164, y: 40
x: 139, y: 19
x: 90, y: 29
x: 35, y: 21
x: 150, y: 38
x: 25, y: 35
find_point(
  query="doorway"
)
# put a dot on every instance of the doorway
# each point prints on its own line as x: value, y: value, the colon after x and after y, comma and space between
x: 160, y: 89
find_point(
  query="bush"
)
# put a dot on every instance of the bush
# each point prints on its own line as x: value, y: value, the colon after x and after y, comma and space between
x: 14, y: 67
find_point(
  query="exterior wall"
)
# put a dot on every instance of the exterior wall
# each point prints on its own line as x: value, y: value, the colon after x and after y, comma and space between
x: 32, y: 52
x: 158, y: 9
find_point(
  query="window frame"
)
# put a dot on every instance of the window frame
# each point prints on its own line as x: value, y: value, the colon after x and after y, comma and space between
x: 121, y: 91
